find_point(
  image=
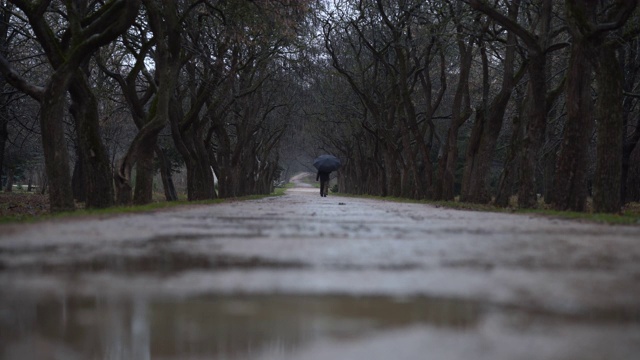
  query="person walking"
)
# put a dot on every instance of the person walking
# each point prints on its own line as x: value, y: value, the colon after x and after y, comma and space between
x: 325, y: 165
x: 323, y: 176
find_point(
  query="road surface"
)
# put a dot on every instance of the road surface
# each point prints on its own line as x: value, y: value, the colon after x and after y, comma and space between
x: 305, y: 277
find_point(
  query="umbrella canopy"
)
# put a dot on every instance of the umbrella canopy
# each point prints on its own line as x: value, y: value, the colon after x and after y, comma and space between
x: 327, y: 163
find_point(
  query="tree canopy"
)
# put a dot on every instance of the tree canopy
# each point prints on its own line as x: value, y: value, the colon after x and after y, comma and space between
x: 514, y: 103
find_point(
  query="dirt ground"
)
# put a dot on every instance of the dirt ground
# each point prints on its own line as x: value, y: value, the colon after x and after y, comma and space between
x: 305, y: 277
x: 21, y: 204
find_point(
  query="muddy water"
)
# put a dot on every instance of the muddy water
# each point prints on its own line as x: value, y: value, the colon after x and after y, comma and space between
x: 301, y: 327
x: 219, y: 327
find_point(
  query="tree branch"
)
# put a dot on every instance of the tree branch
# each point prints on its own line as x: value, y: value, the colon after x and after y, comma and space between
x: 528, y: 38
x: 624, y: 9
x: 18, y: 81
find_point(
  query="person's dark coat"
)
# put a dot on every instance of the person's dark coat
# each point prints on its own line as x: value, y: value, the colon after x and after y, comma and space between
x: 323, y: 176
x: 324, y: 182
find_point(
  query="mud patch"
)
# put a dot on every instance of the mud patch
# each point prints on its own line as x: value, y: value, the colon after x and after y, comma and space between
x: 383, y: 267
x: 168, y: 238
x: 161, y: 262
x: 534, y: 263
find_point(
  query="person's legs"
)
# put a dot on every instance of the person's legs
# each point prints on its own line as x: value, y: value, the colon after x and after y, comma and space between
x: 322, y: 182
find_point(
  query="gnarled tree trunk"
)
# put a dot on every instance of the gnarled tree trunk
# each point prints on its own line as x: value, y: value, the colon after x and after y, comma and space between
x: 489, y: 120
x: 607, y: 182
x: 444, y: 187
x: 95, y: 165
x: 570, y: 185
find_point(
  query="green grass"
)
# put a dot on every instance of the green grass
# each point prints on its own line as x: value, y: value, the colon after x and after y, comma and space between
x: 119, y: 210
x: 625, y: 218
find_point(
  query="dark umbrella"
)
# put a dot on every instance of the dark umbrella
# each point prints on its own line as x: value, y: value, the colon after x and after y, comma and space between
x: 327, y: 163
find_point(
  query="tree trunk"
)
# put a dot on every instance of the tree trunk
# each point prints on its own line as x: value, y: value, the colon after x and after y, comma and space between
x: 631, y: 68
x: 420, y: 133
x: 413, y: 184
x: 536, y: 44
x: 392, y: 173
x: 166, y: 175
x: 124, y: 191
x: 633, y: 177
x: 507, y: 178
x: 549, y: 159
x: 9, y: 185
x: 550, y: 156
x: 87, y: 34
x: 44, y: 183
x: 95, y: 165
x: 583, y: 22
x: 4, y: 131
x: 607, y: 182
x: 535, y: 130
x: 78, y: 180
x: 570, y: 186
x: 448, y: 173
x: 484, y: 136
x: 469, y: 190
x: 408, y: 126
x: 200, y: 181
x: 481, y: 150
x: 54, y: 145
x: 145, y: 170
x: 164, y: 22
x: 5, y: 13
x: 205, y: 187
x: 230, y: 183
x: 444, y: 188
x: 630, y: 145
x: 140, y: 150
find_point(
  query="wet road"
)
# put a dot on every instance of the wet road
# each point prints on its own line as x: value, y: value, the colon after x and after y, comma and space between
x: 305, y: 277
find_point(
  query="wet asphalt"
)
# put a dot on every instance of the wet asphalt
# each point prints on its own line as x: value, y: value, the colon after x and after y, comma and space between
x: 305, y: 277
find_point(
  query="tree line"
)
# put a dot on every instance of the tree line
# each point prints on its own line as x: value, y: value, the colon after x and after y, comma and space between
x: 489, y: 101
x: 485, y: 101
x: 122, y: 88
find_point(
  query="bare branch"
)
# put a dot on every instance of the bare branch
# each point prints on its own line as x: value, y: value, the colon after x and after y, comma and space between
x: 18, y: 81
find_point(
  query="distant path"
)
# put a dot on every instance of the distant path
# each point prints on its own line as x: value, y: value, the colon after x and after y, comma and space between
x: 575, y: 285
x: 297, y: 180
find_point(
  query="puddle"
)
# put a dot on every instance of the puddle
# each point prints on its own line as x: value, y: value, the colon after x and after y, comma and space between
x: 207, y: 327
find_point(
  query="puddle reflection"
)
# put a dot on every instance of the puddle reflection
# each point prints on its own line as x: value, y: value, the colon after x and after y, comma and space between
x: 206, y: 327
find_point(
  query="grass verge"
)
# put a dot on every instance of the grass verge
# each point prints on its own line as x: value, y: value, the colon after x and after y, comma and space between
x: 629, y: 216
x: 40, y: 212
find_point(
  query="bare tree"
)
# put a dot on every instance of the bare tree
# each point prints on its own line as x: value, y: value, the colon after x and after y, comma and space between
x: 5, y: 18
x: 631, y: 67
x: 444, y: 187
x: 386, y: 51
x: 592, y: 50
x: 538, y: 41
x: 66, y: 53
x: 164, y: 21
x: 489, y: 118
x: 222, y: 122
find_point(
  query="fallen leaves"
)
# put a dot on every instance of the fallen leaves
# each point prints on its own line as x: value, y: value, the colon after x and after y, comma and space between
x: 22, y: 203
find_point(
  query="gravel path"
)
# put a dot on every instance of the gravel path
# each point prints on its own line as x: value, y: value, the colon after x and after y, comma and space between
x: 305, y: 277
